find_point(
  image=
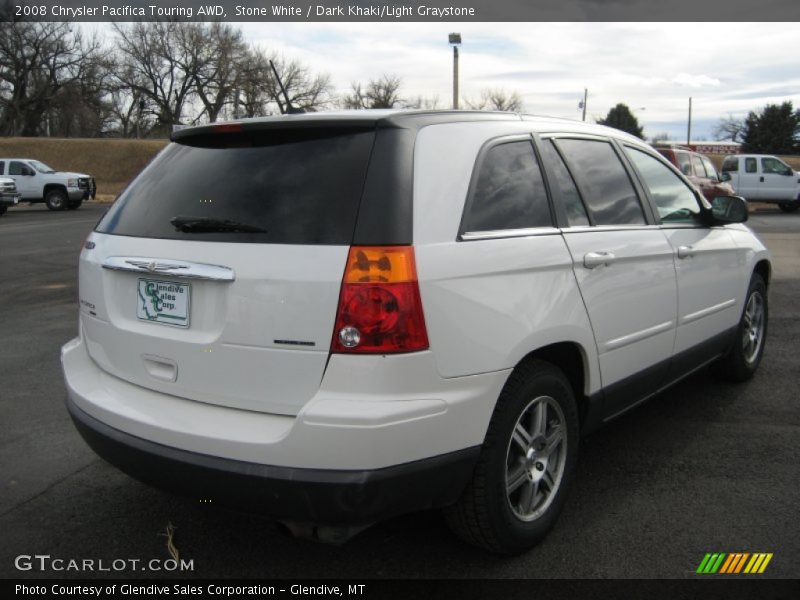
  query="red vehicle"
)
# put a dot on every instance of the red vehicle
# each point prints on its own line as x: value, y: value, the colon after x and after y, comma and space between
x: 699, y: 170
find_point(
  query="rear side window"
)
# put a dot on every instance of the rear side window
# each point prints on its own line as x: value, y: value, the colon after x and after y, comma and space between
x: 569, y: 196
x: 684, y: 163
x: 711, y: 170
x: 750, y: 165
x: 675, y: 201
x: 509, y: 192
x: 15, y: 167
x: 285, y: 186
x: 603, y: 181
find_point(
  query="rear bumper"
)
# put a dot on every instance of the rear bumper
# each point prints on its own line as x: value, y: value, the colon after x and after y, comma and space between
x: 322, y: 496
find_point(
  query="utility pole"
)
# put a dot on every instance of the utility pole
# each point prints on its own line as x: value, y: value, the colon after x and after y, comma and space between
x: 455, y: 40
x: 585, y: 98
x: 689, y: 126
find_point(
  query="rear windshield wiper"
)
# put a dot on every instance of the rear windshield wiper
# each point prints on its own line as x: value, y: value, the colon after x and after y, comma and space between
x: 206, y: 225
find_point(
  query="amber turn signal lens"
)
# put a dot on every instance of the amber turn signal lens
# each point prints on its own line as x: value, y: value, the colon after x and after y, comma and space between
x: 380, y: 264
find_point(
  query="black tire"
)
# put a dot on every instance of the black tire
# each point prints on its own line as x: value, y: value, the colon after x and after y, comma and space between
x: 487, y: 514
x: 742, y: 360
x: 789, y: 208
x: 3, y: 210
x: 56, y: 199
x: 73, y: 204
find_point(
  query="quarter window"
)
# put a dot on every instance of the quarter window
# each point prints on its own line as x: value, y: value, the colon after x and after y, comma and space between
x: 509, y: 191
x: 603, y: 182
x: 675, y: 201
x: 569, y: 196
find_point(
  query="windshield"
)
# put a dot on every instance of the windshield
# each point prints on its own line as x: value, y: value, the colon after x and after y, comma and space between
x: 271, y: 187
x: 41, y: 167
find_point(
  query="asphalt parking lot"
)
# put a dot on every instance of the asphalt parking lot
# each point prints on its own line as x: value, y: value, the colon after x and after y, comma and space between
x: 704, y: 467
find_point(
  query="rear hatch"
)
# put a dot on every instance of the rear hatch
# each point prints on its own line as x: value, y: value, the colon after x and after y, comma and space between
x: 215, y: 276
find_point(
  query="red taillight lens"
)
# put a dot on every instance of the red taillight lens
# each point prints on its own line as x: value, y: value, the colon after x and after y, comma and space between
x: 380, y: 310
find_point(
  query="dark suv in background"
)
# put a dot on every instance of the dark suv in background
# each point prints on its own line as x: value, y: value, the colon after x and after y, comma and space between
x: 699, y: 170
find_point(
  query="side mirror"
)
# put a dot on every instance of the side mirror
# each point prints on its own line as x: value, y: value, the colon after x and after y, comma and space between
x: 725, y: 176
x: 27, y: 171
x: 728, y: 209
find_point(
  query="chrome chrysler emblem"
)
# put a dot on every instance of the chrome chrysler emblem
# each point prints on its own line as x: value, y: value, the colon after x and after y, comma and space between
x: 152, y: 266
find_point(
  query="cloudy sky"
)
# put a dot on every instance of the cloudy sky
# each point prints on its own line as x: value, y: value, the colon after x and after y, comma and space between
x: 727, y: 68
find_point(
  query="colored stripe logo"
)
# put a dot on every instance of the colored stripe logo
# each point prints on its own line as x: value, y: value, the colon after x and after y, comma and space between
x: 734, y: 563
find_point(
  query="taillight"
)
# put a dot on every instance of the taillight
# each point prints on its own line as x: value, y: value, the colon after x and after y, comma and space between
x: 380, y: 310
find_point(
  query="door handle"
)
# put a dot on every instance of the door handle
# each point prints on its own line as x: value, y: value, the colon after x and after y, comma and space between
x: 596, y: 259
x: 761, y: 179
x: 685, y: 251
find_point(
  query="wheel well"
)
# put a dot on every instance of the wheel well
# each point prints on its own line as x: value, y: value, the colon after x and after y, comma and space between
x: 570, y: 358
x: 54, y: 186
x: 764, y: 269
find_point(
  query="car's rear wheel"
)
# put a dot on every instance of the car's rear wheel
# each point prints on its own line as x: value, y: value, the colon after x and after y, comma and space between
x: 56, y: 199
x: 3, y: 210
x: 526, y: 465
x: 742, y: 360
x: 789, y: 207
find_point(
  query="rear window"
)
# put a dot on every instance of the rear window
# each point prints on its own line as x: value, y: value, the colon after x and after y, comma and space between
x: 281, y: 187
x: 730, y: 164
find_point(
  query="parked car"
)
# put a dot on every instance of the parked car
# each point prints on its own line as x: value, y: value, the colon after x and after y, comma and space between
x: 9, y: 196
x: 37, y: 182
x: 377, y: 312
x: 699, y: 170
x: 763, y: 178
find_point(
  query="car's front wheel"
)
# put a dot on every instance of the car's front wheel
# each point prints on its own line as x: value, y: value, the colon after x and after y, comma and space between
x: 526, y: 464
x: 789, y: 207
x: 56, y: 199
x: 73, y: 204
x: 742, y: 360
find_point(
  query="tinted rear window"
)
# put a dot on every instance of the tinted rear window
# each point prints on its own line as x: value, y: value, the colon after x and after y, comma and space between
x: 300, y: 187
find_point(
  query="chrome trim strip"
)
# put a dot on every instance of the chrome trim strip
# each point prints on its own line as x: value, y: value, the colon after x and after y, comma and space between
x: 707, y: 311
x: 171, y: 268
x: 594, y: 228
x: 631, y: 338
x: 507, y: 233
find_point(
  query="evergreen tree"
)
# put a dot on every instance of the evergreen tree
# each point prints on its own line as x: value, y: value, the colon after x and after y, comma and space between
x: 774, y: 130
x: 620, y: 117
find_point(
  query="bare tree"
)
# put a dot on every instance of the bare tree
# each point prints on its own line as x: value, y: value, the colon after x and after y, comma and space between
x: 37, y: 60
x: 496, y: 99
x: 379, y: 93
x: 422, y: 102
x: 729, y: 128
x: 260, y: 93
x: 160, y: 61
x: 222, y: 56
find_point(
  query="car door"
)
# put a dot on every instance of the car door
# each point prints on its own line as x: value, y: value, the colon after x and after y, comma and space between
x: 708, y: 272
x: 777, y: 180
x: 748, y: 178
x: 25, y: 183
x: 624, y: 268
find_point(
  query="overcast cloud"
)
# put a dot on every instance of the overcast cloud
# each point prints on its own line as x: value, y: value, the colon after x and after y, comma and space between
x: 728, y: 68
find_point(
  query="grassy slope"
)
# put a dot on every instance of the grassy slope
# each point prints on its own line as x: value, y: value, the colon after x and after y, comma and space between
x: 113, y: 162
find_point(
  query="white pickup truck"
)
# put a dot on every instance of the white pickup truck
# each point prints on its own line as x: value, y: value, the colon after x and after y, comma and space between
x: 36, y: 182
x: 9, y: 196
x: 763, y: 178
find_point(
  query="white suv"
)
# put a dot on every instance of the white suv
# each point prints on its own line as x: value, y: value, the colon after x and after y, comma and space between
x: 337, y: 318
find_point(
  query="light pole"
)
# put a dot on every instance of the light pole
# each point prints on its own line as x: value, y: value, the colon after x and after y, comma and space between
x: 455, y: 41
x: 689, y: 124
